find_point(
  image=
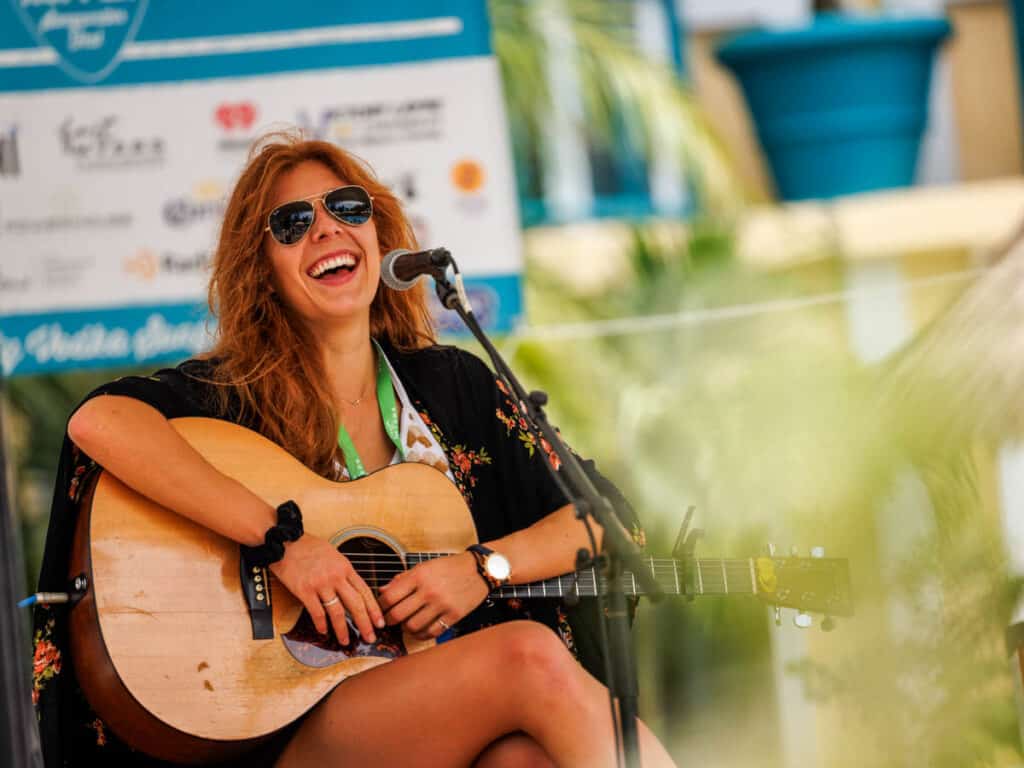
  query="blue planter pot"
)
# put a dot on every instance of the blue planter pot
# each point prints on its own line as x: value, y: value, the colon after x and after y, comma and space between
x: 839, y: 106
x: 1017, y: 11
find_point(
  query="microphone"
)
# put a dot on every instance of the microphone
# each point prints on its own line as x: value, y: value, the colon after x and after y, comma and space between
x: 401, y: 268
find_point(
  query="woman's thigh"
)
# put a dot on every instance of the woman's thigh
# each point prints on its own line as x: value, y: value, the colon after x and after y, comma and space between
x: 441, y: 707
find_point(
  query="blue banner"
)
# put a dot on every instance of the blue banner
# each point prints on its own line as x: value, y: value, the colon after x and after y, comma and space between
x: 148, y: 335
x: 60, y: 44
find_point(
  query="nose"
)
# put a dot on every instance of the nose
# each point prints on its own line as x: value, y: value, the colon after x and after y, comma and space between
x: 324, y: 225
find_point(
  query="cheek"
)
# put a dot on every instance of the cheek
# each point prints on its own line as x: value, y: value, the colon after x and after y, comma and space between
x: 282, y: 270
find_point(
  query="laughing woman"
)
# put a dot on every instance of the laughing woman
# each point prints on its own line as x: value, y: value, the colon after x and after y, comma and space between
x: 344, y: 373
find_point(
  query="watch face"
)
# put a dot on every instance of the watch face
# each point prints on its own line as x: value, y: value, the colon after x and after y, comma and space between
x: 498, y: 566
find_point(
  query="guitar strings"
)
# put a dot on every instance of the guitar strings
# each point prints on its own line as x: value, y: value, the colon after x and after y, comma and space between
x: 715, y: 576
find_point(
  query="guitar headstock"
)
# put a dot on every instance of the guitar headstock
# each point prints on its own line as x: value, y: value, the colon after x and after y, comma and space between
x: 817, y: 584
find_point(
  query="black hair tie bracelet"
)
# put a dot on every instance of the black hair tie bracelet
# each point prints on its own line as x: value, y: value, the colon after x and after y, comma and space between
x: 288, y: 528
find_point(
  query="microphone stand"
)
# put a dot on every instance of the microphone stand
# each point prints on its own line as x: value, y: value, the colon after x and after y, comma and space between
x: 619, y: 551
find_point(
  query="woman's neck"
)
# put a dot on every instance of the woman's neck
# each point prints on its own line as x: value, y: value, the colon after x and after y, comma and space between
x: 349, y: 362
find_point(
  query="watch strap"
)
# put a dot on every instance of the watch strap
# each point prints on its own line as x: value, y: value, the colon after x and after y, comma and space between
x: 481, y: 553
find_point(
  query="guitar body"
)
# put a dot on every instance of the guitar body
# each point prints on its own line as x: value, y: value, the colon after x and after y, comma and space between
x: 162, y: 641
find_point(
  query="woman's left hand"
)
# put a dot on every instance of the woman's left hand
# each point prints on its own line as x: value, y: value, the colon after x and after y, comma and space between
x: 434, y: 595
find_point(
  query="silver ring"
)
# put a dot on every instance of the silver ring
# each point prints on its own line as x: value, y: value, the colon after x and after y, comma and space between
x: 443, y: 623
x: 332, y: 601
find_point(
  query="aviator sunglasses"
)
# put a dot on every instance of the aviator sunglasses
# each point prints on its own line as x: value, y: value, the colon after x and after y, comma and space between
x: 289, y: 223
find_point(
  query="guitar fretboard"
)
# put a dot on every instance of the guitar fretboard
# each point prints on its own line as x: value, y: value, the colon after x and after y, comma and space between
x: 699, y: 576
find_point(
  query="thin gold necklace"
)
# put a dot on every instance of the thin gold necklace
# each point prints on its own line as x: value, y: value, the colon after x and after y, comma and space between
x: 357, y: 401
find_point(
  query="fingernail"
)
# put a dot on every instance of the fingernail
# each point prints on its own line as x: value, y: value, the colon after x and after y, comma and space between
x: 372, y: 638
x: 380, y: 623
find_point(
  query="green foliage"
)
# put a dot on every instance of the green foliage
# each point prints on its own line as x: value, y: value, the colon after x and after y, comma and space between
x: 38, y: 408
x: 626, y: 96
x: 766, y: 422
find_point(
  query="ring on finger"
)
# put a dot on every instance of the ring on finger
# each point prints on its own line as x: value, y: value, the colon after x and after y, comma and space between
x: 330, y: 602
x: 444, y: 624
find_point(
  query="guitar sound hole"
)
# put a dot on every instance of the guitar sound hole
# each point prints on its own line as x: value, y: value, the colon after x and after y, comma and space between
x: 377, y: 563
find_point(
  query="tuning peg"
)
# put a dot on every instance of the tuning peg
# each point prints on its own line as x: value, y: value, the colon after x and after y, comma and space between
x: 827, y: 624
x: 818, y: 552
x: 778, y: 616
x: 769, y: 549
x: 802, y: 620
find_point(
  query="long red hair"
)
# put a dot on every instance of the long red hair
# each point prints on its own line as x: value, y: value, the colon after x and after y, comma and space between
x: 266, y: 361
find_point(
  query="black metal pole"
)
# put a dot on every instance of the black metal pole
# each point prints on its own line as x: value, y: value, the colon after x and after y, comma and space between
x: 18, y: 735
x: 618, y: 546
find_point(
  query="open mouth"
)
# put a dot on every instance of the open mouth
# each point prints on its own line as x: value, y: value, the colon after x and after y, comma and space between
x: 334, y: 265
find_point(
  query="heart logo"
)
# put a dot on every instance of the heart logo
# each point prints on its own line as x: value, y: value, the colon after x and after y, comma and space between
x: 88, y: 38
x: 238, y: 116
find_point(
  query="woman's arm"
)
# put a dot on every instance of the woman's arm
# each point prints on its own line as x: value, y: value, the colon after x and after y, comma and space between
x: 134, y: 442
x: 547, y: 548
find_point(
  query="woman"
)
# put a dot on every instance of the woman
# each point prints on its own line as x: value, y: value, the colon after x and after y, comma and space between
x: 306, y: 337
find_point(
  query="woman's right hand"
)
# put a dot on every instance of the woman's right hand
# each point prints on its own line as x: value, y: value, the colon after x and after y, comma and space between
x: 316, y: 573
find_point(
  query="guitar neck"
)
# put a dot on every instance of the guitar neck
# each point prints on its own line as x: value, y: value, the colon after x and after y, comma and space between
x: 703, y: 576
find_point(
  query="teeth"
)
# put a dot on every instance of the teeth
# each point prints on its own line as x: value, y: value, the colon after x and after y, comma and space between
x: 345, y: 260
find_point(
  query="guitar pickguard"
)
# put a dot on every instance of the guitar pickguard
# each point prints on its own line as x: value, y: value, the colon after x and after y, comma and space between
x: 311, y: 648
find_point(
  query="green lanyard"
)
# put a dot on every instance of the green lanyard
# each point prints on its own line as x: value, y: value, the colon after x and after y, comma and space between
x: 388, y: 412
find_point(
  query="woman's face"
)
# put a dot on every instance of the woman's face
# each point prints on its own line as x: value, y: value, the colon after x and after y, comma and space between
x: 343, y: 293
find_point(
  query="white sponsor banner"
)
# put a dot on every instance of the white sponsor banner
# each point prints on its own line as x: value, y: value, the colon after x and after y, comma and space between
x: 114, y: 195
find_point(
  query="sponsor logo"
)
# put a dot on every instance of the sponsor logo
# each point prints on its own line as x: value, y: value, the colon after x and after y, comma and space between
x: 405, y: 186
x: 236, y: 120
x: 146, y: 264
x: 65, y: 272
x: 87, y: 35
x: 486, y: 304
x: 376, y: 123
x: 468, y: 177
x: 10, y: 164
x: 99, y: 144
x: 14, y: 283
x: 24, y: 225
x: 206, y: 202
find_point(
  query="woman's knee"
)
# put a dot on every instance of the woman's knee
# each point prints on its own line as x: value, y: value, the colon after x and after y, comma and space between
x: 531, y: 657
x: 516, y: 750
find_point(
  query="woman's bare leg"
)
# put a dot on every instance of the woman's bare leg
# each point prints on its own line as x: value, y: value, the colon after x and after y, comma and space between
x: 445, y: 706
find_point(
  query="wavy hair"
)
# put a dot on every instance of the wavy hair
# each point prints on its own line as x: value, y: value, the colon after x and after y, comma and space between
x: 266, y: 363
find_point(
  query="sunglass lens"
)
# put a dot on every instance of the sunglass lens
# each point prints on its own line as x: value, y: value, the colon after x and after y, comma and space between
x: 289, y: 222
x: 350, y: 205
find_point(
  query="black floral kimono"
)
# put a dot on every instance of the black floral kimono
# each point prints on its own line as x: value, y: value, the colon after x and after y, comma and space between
x: 496, y: 463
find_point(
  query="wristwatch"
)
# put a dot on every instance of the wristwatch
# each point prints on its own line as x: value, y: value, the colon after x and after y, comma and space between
x: 492, y: 566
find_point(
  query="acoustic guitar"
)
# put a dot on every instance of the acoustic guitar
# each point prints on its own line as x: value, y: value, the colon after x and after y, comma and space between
x: 162, y: 635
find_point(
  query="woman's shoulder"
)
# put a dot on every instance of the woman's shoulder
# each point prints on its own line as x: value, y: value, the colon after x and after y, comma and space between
x: 183, y: 390
x: 442, y: 360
